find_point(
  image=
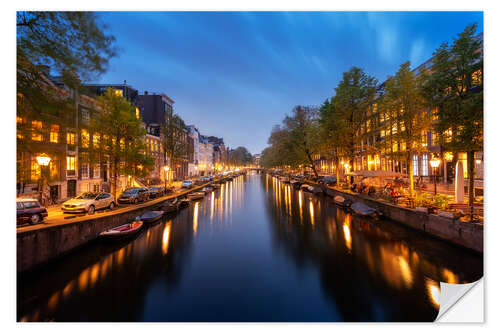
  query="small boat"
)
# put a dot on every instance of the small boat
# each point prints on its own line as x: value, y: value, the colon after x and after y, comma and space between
x: 151, y: 216
x: 360, y: 208
x: 196, y: 195
x: 307, y: 188
x: 122, y: 231
x: 341, y: 201
x: 317, y: 190
x: 184, y: 202
x: 170, y: 206
x: 207, y: 189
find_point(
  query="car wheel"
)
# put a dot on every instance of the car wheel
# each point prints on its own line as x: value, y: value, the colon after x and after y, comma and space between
x: 136, y: 201
x: 35, y: 218
x: 111, y: 205
x: 91, y: 210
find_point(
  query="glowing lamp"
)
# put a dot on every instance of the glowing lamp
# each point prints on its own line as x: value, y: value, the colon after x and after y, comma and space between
x: 43, y: 159
x: 435, y: 162
x: 166, y: 168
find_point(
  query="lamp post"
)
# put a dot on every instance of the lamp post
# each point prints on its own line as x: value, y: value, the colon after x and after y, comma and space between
x: 166, y: 168
x: 435, y: 164
x: 43, y: 161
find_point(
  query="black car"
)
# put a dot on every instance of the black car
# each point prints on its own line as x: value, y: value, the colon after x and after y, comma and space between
x: 30, y: 211
x: 156, y: 191
x: 134, y: 195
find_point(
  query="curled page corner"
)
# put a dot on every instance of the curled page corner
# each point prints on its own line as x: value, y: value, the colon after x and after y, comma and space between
x: 451, y: 295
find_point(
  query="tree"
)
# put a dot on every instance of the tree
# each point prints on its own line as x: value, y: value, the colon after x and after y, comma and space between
x: 174, y: 139
x: 121, y: 137
x: 454, y: 85
x: 354, y: 96
x: 330, y: 132
x: 75, y: 45
x: 404, y: 106
x: 240, y: 157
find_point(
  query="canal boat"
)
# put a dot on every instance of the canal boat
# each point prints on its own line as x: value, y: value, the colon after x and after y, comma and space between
x: 341, y: 201
x: 207, y: 189
x: 151, y: 216
x: 170, y: 206
x: 122, y: 231
x: 196, y: 196
x: 306, y: 188
x: 184, y: 202
x: 361, y: 209
x: 317, y: 190
x: 295, y: 184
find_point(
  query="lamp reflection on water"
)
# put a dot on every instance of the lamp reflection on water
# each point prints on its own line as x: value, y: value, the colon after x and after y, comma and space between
x: 433, y: 292
x: 311, y: 212
x: 166, y: 237
x: 346, y: 227
x: 195, y: 217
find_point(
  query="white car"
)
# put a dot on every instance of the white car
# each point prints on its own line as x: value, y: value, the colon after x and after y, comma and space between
x: 88, y: 202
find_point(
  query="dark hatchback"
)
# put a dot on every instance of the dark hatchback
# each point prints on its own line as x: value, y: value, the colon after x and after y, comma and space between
x: 134, y: 195
x: 30, y: 211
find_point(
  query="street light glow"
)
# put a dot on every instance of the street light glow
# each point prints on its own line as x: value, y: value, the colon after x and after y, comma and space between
x: 435, y: 162
x: 43, y: 159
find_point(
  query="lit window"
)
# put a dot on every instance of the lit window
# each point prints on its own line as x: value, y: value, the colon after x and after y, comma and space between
x: 137, y: 112
x: 54, y: 133
x: 84, y: 170
x: 35, y: 170
x: 85, y: 138
x: 425, y: 165
x: 70, y: 165
x: 37, y: 130
x: 96, y: 171
x: 70, y: 138
x: 118, y: 92
x: 19, y: 122
x: 96, y: 139
x: 477, y: 78
x: 415, y: 165
x: 122, y: 143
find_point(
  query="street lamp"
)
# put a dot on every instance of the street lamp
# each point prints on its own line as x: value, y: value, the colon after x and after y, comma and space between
x: 166, y: 168
x: 435, y: 164
x: 43, y: 161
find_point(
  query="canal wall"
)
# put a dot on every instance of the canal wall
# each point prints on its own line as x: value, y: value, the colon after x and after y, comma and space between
x: 465, y: 234
x: 39, y: 246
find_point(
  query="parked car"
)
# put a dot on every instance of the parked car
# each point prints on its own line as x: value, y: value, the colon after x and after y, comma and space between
x: 134, y: 195
x: 187, y: 184
x: 29, y: 211
x: 89, y: 202
x: 328, y: 180
x: 156, y: 191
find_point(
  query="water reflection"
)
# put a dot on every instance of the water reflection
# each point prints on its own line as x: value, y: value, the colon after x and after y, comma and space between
x: 248, y: 252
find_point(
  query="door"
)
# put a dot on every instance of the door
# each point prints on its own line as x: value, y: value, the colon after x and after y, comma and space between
x: 71, y: 188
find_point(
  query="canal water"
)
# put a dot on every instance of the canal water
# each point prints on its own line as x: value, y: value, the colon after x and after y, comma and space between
x: 255, y: 250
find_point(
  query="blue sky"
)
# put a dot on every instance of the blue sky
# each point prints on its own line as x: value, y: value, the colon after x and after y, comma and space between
x: 236, y: 74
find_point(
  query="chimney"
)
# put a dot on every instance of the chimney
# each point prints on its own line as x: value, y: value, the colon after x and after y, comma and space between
x: 146, y: 92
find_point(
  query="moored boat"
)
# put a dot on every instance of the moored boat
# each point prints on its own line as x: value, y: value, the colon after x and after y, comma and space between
x: 122, y: 231
x: 170, y: 206
x: 341, y: 201
x: 184, y: 202
x: 151, y: 216
x: 360, y: 208
x: 207, y: 189
x: 307, y: 188
x: 196, y: 195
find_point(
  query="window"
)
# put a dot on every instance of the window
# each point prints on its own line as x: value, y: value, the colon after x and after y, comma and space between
x: 463, y: 157
x: 36, y: 127
x: 31, y: 204
x: 425, y: 165
x: 85, y: 114
x: 54, y: 133
x: 85, y: 138
x: 70, y: 138
x: 84, y: 170
x: 118, y: 92
x: 137, y: 112
x: 96, y: 189
x: 96, y: 139
x: 415, y: 165
x: 96, y: 170
x: 19, y: 122
x: 477, y: 78
x: 70, y: 165
x: 35, y: 170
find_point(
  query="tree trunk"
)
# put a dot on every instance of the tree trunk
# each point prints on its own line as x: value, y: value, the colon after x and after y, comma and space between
x: 410, y: 171
x: 470, y: 172
x: 312, y: 163
x: 115, y: 176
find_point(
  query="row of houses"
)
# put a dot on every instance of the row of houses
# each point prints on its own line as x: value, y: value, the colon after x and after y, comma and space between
x: 378, y: 148
x: 68, y: 143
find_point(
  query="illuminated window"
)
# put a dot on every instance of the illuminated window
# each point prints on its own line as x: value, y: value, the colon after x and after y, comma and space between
x: 425, y: 165
x: 118, y: 92
x: 424, y: 139
x: 54, y: 133
x: 137, y: 112
x: 84, y: 170
x: 122, y: 143
x: 35, y: 170
x: 70, y: 165
x: 463, y: 157
x: 415, y: 165
x: 19, y: 122
x: 70, y: 138
x: 85, y: 138
x: 96, y: 140
x: 36, y: 126
x: 477, y: 78
x: 447, y: 135
x: 96, y: 170
x: 395, y: 147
